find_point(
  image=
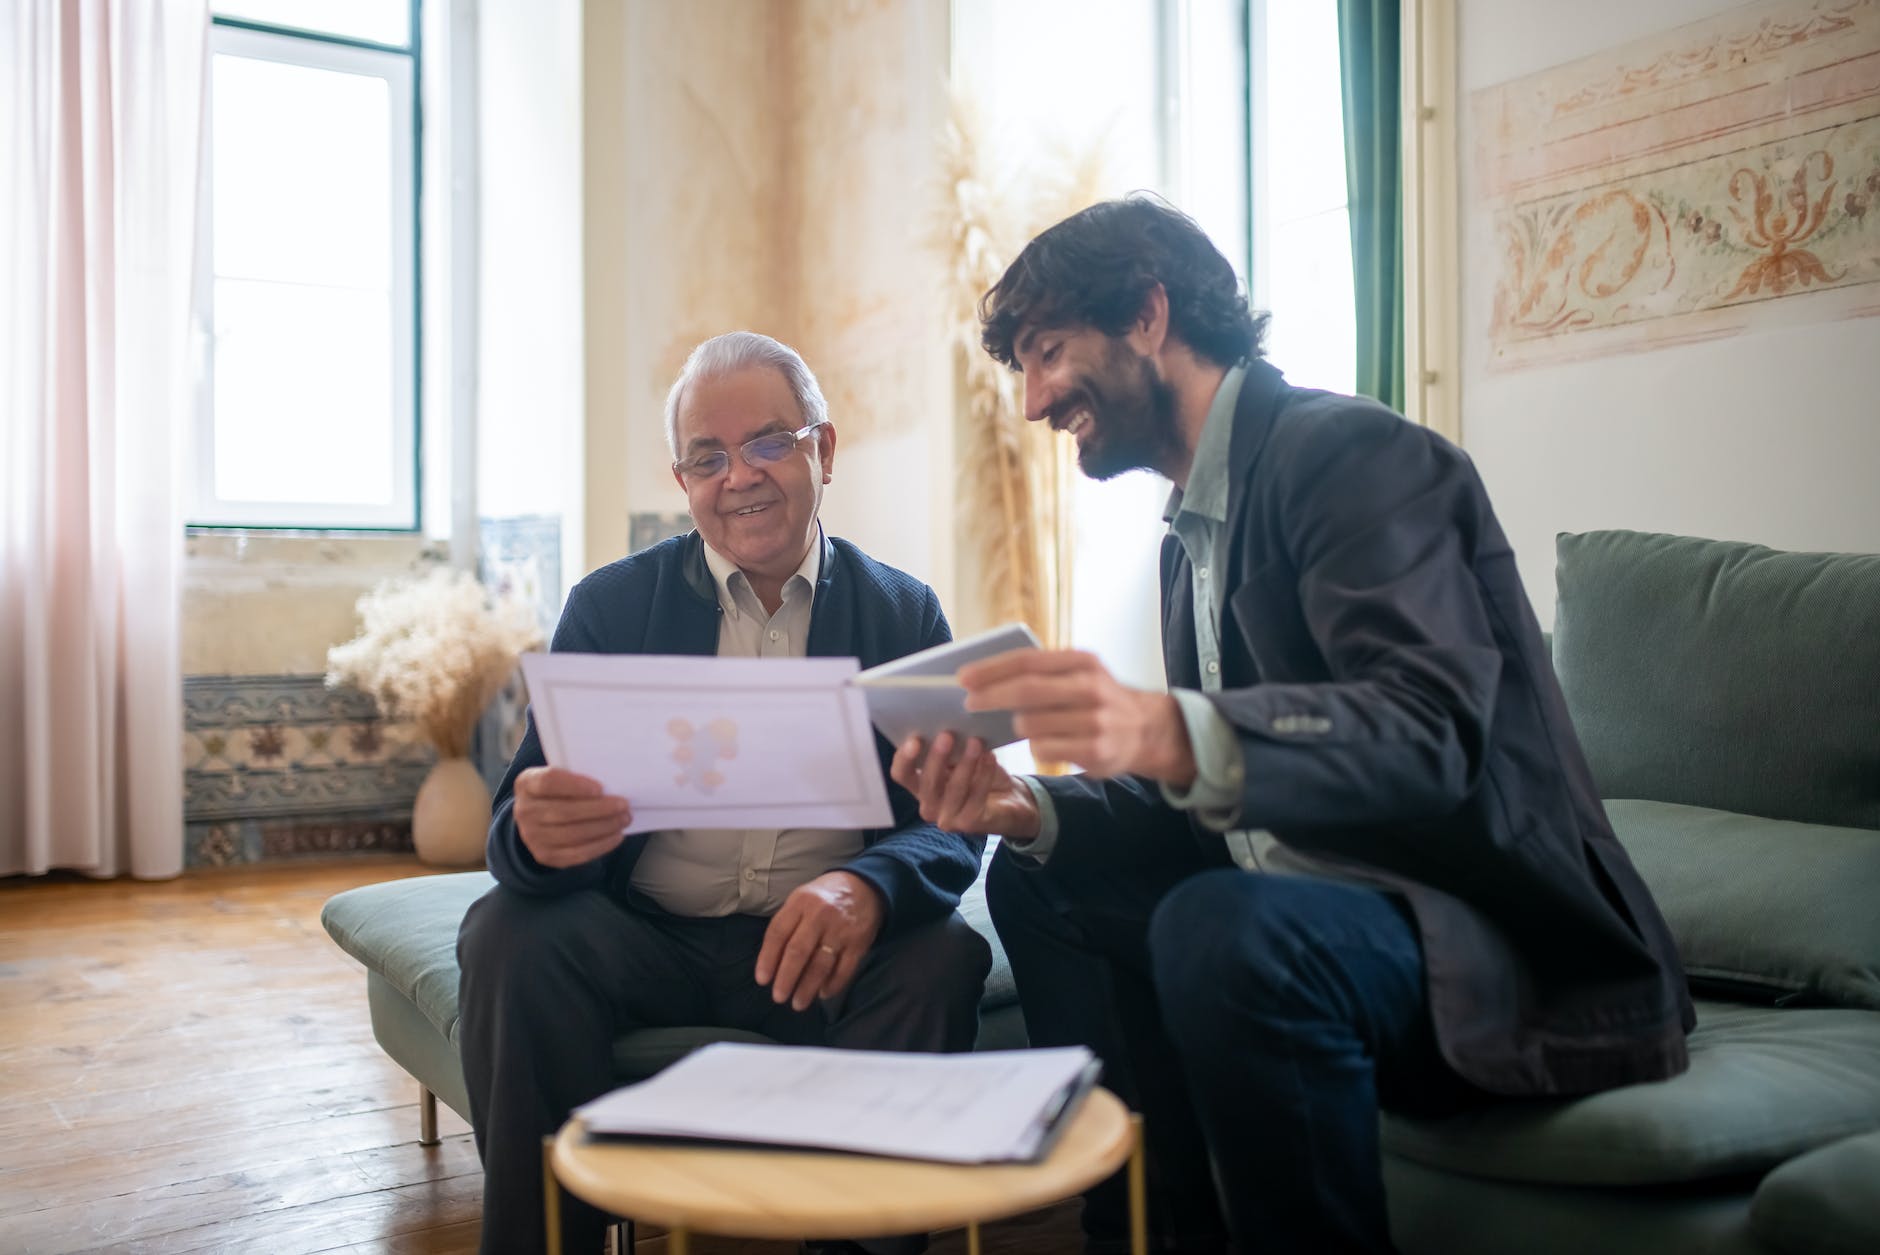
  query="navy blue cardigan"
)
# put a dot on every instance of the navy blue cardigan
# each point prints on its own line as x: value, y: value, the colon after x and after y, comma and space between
x: 663, y: 601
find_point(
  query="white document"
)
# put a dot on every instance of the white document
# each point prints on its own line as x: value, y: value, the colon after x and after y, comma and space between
x: 917, y: 695
x: 702, y: 742
x: 993, y: 1106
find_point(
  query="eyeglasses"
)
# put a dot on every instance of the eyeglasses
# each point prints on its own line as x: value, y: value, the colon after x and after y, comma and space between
x: 763, y: 451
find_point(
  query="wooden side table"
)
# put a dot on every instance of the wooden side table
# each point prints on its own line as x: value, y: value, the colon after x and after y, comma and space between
x: 761, y: 1193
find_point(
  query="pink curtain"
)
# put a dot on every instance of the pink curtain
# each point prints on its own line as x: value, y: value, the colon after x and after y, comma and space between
x: 101, y: 105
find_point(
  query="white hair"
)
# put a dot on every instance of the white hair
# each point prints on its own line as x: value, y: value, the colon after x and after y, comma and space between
x: 739, y: 350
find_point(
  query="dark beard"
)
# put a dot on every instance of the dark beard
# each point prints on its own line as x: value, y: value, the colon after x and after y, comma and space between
x: 1132, y: 412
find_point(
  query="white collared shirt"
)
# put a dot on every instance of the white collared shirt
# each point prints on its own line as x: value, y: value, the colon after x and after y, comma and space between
x: 746, y: 871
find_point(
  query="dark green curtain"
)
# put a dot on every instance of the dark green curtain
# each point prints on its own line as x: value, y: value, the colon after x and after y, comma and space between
x: 1368, y: 51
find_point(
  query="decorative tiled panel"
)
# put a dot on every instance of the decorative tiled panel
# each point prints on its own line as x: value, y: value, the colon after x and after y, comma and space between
x: 280, y: 765
x: 521, y: 557
x: 646, y: 528
x: 245, y: 701
x: 301, y: 789
x: 500, y: 731
x: 225, y: 843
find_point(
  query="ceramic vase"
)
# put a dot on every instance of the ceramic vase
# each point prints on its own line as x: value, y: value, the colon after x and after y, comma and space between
x: 451, y: 818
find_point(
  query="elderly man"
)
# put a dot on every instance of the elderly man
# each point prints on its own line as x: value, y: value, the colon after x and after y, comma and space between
x: 836, y: 938
x: 1354, y: 858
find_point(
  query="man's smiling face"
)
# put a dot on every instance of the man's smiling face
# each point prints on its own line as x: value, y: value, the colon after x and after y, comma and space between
x: 1108, y: 397
x: 761, y: 517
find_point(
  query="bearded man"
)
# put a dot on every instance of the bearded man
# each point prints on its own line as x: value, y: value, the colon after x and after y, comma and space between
x: 1353, y: 858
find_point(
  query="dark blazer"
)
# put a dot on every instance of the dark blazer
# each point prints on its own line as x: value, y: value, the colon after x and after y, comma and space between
x: 1400, y: 724
x: 663, y: 601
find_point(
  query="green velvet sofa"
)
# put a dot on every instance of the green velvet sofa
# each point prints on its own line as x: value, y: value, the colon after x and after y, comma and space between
x: 1728, y: 698
x: 405, y: 933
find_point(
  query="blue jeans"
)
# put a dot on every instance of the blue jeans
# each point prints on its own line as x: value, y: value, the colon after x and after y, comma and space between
x: 1297, y: 1007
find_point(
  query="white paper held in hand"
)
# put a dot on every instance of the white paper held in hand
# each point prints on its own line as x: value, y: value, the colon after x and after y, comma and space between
x: 991, y: 1106
x: 919, y: 696
x: 704, y: 742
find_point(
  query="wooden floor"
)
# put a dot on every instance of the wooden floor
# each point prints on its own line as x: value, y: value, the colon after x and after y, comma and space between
x: 187, y: 1065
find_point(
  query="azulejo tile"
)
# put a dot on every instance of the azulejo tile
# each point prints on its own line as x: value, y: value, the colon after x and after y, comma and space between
x: 272, y: 746
x: 240, y: 841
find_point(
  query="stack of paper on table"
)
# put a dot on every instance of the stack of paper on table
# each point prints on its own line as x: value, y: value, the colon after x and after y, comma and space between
x: 995, y: 1106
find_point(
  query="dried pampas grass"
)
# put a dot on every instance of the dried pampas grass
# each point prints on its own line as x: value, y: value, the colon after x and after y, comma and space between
x: 434, y: 651
x: 1015, y: 479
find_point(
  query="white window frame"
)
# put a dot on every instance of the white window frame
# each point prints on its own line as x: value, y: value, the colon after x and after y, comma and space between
x: 206, y: 508
x: 1431, y: 225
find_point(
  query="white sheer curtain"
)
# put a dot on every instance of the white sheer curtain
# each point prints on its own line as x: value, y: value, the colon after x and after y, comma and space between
x: 100, y: 125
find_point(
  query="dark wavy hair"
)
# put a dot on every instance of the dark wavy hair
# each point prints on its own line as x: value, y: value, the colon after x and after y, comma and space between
x: 1096, y: 268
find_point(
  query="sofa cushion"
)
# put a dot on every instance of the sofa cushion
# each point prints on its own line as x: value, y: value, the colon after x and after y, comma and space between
x: 1444, y: 1213
x: 1001, y: 989
x: 1721, y: 674
x: 1765, y: 1084
x: 1762, y: 907
x: 1826, y: 1202
x: 406, y: 931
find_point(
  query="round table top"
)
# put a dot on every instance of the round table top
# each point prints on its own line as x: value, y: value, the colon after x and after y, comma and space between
x: 748, y: 1192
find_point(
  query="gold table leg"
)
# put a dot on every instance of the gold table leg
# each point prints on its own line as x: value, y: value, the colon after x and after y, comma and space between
x: 678, y: 1241
x: 972, y: 1237
x: 551, y: 1197
x: 1138, y: 1192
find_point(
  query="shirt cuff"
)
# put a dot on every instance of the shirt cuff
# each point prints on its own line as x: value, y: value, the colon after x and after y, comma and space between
x: 1037, y: 849
x: 1214, y: 797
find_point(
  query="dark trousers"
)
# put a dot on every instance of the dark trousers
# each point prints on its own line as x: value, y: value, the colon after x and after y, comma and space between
x: 548, y: 983
x: 1257, y: 1021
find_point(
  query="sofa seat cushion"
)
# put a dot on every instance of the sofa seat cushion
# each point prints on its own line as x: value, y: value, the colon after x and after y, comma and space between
x: 650, y: 1051
x: 406, y: 931
x: 1765, y: 1084
x: 1001, y: 989
x: 1826, y: 1202
x: 1762, y: 907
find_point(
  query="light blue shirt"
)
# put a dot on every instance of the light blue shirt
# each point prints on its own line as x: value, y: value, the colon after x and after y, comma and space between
x: 1197, y: 517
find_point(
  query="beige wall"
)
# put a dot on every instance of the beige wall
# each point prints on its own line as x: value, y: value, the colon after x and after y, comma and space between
x: 866, y: 107
x: 777, y: 163
x: 700, y: 214
x: 272, y: 605
x: 1764, y: 436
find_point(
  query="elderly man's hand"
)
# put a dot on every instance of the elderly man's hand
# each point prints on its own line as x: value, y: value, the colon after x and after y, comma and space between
x: 566, y: 819
x: 1075, y: 711
x: 818, y: 938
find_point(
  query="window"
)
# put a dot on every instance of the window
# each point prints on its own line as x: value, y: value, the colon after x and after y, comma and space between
x: 1301, y: 226
x: 309, y: 413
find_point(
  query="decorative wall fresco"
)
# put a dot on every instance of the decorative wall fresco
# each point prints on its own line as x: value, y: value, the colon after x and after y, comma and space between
x: 1675, y: 188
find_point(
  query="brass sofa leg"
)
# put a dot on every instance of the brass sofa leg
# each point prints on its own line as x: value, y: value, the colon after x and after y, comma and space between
x: 427, y: 1116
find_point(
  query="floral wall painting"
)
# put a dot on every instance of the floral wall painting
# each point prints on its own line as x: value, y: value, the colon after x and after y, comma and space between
x: 1692, y: 185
